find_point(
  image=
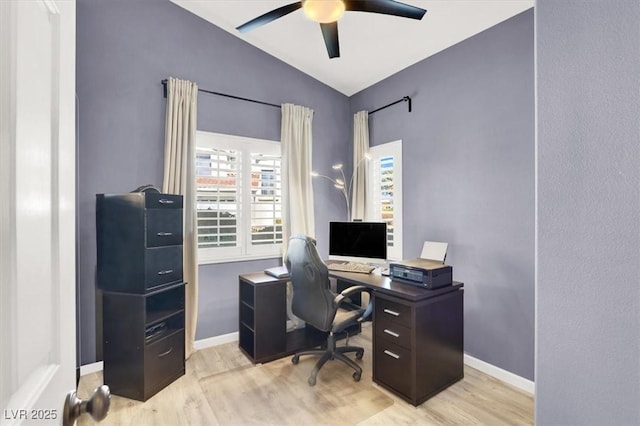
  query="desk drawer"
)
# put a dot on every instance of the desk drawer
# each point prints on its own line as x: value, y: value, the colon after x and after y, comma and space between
x: 393, y: 332
x: 392, y: 311
x: 392, y: 366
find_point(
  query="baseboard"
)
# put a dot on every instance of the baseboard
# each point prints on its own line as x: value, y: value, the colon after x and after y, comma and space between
x: 500, y: 374
x: 91, y: 368
x: 215, y: 341
x: 490, y: 369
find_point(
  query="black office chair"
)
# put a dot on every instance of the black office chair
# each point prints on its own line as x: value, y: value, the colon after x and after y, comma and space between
x: 316, y: 304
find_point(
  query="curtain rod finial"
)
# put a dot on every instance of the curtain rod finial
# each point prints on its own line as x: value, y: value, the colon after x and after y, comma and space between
x: 164, y: 87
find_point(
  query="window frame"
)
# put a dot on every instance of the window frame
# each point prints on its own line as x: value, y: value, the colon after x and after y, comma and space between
x: 244, y: 250
x: 388, y: 149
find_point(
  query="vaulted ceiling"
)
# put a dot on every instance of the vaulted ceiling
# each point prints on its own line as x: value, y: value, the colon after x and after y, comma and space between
x: 372, y: 46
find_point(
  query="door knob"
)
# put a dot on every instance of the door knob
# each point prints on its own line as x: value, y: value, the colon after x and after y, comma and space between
x: 97, y: 406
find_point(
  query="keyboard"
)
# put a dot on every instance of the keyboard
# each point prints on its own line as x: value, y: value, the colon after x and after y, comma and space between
x: 351, y: 267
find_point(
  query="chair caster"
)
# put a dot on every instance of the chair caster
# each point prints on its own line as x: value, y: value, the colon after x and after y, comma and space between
x: 359, y: 354
x: 311, y: 381
x: 357, y: 376
x: 295, y: 360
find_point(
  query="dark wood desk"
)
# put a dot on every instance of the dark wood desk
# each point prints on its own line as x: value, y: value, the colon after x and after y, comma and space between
x: 417, y: 333
x: 385, y: 285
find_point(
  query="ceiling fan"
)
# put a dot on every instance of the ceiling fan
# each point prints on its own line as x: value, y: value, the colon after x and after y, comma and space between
x: 328, y: 12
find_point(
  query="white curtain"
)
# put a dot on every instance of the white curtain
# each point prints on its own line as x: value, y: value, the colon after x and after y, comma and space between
x: 360, y: 165
x: 179, y: 178
x: 297, y: 189
x: 297, y: 198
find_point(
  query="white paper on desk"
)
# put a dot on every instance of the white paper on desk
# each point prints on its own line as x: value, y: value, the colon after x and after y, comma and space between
x: 433, y: 250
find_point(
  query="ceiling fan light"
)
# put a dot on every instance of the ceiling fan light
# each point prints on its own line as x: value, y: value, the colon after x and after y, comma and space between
x: 323, y: 11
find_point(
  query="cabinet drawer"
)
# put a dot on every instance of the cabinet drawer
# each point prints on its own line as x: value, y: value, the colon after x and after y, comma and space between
x: 163, y: 265
x: 392, y: 366
x: 163, y: 360
x: 392, y: 311
x: 164, y: 227
x: 393, y: 332
x: 162, y: 201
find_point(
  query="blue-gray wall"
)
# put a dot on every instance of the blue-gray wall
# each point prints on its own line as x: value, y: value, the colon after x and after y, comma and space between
x: 124, y: 49
x: 468, y: 159
x: 588, y: 287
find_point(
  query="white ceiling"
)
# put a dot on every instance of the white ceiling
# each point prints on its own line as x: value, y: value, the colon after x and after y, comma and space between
x: 372, y: 46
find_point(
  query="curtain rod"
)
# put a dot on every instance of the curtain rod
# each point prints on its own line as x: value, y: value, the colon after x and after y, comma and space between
x: 164, y: 84
x: 405, y: 99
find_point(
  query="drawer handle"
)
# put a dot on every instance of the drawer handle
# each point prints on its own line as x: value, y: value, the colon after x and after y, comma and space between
x: 164, y: 234
x: 391, y: 333
x: 165, y: 201
x: 390, y: 312
x: 165, y: 353
x: 168, y: 271
x: 391, y: 354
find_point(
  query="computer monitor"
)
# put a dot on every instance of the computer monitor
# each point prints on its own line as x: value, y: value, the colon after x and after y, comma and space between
x: 364, y: 242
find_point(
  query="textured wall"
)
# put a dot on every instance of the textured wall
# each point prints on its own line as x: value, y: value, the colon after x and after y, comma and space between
x: 124, y: 50
x: 588, y: 289
x: 468, y: 154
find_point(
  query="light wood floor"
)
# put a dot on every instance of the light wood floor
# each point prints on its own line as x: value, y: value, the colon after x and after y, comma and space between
x: 222, y: 387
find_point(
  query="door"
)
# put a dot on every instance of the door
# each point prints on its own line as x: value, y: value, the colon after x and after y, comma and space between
x: 37, y: 209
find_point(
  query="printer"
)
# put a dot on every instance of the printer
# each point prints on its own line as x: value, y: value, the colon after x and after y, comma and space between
x: 428, y: 271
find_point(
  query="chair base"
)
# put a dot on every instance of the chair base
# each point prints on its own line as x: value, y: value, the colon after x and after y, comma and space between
x: 331, y: 352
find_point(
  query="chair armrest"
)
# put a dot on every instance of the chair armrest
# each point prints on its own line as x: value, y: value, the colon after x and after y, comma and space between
x: 355, y: 289
x: 347, y: 292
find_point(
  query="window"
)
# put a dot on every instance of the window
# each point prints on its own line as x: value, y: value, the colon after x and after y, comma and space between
x: 385, y: 186
x: 239, y: 197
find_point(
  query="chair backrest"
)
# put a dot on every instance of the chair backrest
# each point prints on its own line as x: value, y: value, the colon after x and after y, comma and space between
x: 312, y: 299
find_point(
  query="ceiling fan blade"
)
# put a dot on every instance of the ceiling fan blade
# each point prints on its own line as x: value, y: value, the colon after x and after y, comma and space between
x: 330, y: 35
x: 269, y: 16
x: 386, y: 7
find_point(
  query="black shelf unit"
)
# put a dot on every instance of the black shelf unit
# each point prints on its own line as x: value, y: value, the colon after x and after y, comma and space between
x: 263, y: 320
x: 139, y: 239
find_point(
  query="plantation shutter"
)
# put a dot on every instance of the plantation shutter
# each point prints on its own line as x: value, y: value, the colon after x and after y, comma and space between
x: 386, y: 193
x: 219, y: 185
x: 266, y: 195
